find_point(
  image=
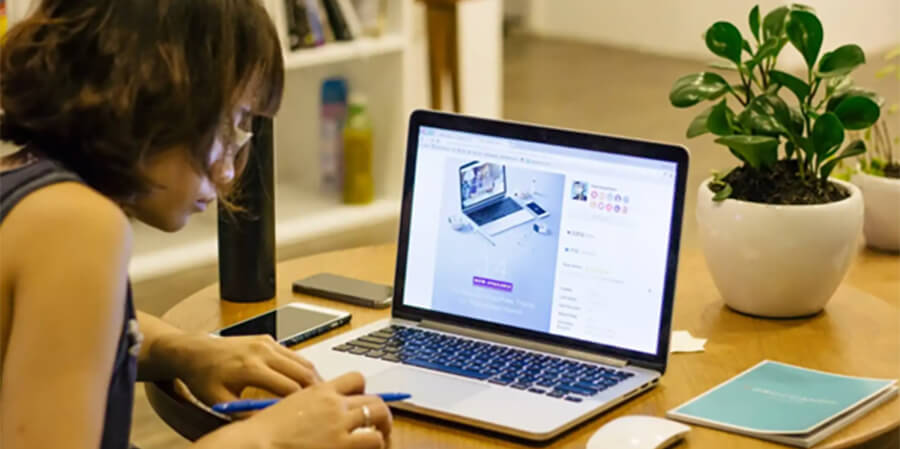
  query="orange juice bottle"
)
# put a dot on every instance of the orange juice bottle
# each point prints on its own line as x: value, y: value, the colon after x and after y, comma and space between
x: 359, y: 185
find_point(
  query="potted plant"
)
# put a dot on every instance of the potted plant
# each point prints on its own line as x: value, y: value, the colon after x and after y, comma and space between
x: 777, y: 233
x: 878, y: 176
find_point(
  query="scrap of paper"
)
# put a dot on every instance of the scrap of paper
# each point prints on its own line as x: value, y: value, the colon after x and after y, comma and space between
x: 683, y: 341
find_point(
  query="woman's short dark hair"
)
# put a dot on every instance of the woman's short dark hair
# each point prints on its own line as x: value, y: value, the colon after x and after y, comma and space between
x: 101, y: 85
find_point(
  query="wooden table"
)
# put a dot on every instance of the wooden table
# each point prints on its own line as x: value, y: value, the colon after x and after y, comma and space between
x: 858, y: 334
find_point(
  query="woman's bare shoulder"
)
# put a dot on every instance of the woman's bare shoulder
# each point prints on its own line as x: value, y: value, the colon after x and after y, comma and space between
x: 67, y: 211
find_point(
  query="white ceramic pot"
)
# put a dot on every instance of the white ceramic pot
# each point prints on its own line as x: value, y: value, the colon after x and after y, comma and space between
x: 882, y: 223
x: 778, y: 261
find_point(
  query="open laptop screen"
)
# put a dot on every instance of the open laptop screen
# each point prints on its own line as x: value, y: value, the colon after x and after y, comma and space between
x: 590, y: 264
x: 480, y: 182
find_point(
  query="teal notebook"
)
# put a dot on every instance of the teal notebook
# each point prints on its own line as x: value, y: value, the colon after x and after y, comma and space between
x: 786, y: 403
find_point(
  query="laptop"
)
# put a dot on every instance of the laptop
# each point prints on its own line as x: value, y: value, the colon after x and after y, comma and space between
x: 483, y: 198
x: 553, y: 323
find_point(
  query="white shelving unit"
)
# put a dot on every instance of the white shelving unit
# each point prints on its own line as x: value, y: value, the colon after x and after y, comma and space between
x: 376, y: 66
x: 302, y: 216
x: 344, y: 51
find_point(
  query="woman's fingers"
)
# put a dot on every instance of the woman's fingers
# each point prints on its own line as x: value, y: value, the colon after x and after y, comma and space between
x: 296, y: 358
x: 270, y: 380
x: 217, y: 394
x: 379, y: 414
x: 289, y: 367
x: 366, y: 439
x: 348, y: 384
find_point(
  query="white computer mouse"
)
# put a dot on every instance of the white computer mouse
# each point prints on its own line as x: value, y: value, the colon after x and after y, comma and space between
x: 638, y: 432
x: 459, y: 224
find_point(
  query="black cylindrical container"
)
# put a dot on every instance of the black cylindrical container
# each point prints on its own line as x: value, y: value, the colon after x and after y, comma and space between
x: 247, y: 237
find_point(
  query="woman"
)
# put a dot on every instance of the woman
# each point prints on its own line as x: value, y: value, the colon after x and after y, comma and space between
x: 135, y: 110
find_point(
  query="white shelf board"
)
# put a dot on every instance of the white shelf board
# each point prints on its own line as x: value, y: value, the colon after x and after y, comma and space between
x: 333, y: 52
x: 300, y: 216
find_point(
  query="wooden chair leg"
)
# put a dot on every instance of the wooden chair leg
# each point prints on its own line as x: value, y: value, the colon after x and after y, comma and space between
x: 453, y: 55
x: 437, y: 51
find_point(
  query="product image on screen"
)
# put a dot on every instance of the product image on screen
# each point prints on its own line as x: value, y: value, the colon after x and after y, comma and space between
x: 480, y: 181
x: 281, y: 323
x: 552, y: 239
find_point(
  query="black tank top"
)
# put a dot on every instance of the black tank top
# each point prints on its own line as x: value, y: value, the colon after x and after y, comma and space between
x: 15, y: 185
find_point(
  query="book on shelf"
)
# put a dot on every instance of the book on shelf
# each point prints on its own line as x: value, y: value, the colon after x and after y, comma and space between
x: 314, y: 18
x: 299, y: 28
x: 786, y: 404
x: 351, y: 18
x: 311, y: 23
x: 327, y: 31
x: 371, y: 15
x: 337, y: 21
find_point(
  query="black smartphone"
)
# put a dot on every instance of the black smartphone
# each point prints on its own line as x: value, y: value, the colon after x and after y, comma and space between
x: 340, y: 288
x: 537, y: 209
x: 289, y: 324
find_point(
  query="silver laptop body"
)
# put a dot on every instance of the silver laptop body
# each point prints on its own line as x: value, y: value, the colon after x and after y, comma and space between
x: 547, y: 325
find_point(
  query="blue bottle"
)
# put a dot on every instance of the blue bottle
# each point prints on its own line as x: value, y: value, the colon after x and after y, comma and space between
x: 331, y: 126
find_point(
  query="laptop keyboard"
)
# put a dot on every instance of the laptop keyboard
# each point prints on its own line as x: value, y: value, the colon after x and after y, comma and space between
x: 501, y: 365
x: 491, y: 213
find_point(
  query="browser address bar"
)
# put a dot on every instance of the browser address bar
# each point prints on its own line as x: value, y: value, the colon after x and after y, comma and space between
x: 487, y: 150
x: 481, y: 149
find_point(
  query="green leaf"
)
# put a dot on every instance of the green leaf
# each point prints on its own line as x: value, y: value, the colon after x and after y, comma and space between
x: 827, y: 135
x: 720, y: 119
x: 691, y: 89
x: 722, y: 65
x: 805, y: 32
x: 754, y: 22
x: 746, y: 46
x: 724, y: 39
x: 857, y: 112
x: 805, y: 145
x: 837, y: 85
x: 773, y: 23
x: 724, y: 192
x: 852, y: 91
x: 789, y: 149
x: 769, y: 48
x: 854, y: 148
x: 759, y: 151
x: 698, y: 125
x: 796, y: 85
x: 796, y: 121
x: 767, y: 115
x: 841, y: 61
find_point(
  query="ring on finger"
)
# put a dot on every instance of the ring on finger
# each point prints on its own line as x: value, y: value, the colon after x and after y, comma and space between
x: 367, y: 416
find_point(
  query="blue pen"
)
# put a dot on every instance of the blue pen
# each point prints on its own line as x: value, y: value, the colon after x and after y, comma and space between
x: 249, y: 405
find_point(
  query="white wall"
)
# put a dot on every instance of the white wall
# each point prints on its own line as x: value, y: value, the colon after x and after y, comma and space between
x: 675, y: 27
x: 481, y: 57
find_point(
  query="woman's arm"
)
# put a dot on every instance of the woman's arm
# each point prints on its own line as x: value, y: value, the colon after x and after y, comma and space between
x: 66, y: 250
x: 153, y: 362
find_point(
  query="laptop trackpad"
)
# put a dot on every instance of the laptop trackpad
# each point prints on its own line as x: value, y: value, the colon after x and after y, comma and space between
x: 427, y: 389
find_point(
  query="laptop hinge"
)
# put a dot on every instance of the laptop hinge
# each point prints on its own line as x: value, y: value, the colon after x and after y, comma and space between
x: 522, y: 343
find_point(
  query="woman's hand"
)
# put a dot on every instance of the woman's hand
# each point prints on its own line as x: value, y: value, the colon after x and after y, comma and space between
x: 328, y: 415
x: 218, y: 369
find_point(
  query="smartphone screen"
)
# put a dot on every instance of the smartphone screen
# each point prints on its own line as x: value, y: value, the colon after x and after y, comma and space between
x: 281, y: 324
x: 536, y: 209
